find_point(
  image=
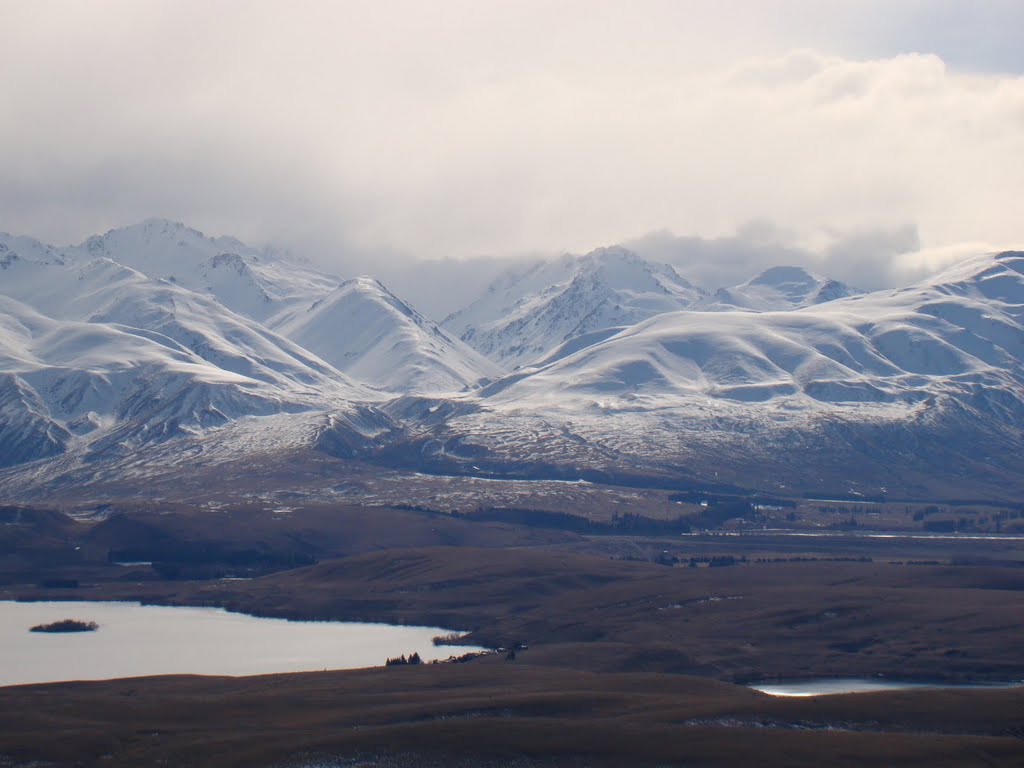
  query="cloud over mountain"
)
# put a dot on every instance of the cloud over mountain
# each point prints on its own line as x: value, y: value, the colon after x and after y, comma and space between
x: 570, y: 129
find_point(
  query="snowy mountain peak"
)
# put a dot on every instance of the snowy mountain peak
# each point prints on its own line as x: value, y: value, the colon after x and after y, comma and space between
x: 231, y: 261
x: 363, y: 329
x: 155, y: 229
x: 528, y: 312
x: 159, y: 247
x: 622, y: 270
x: 779, y: 288
x: 783, y: 276
x: 260, y: 284
x: 365, y: 282
x: 370, y: 286
x: 373, y: 294
x: 611, y: 255
x: 15, y: 248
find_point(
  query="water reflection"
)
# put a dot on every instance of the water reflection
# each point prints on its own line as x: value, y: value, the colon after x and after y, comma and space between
x: 828, y: 686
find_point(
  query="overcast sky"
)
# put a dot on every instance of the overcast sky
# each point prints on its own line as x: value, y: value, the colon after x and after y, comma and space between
x: 876, y: 139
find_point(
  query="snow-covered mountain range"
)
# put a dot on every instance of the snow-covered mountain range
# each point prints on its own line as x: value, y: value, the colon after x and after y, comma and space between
x: 115, y: 350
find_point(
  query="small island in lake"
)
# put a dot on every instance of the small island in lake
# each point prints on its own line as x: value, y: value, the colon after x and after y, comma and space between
x: 66, y: 625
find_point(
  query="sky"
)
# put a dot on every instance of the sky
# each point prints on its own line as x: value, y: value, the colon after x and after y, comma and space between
x: 872, y: 140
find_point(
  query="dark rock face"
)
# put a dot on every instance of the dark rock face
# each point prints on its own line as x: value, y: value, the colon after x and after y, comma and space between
x: 28, y: 432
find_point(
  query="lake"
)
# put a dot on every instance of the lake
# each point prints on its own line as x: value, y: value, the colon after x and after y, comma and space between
x: 135, y: 640
x: 829, y: 686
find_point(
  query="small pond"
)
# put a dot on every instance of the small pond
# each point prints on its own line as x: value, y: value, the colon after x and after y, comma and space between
x: 828, y: 686
x: 134, y: 640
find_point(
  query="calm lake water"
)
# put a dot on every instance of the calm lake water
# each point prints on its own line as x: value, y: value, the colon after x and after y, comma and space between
x: 134, y: 640
x: 856, y: 685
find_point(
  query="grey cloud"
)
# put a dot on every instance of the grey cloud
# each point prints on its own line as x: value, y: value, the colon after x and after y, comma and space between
x: 869, y: 259
x: 865, y: 260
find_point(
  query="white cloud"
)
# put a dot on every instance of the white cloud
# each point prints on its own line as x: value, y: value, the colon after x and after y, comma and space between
x: 458, y: 128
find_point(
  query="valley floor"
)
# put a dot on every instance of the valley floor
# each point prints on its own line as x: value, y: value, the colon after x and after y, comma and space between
x: 499, y: 713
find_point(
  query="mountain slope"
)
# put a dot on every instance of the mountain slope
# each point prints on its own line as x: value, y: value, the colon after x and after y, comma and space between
x: 29, y: 433
x: 363, y: 329
x: 66, y: 378
x: 527, y: 313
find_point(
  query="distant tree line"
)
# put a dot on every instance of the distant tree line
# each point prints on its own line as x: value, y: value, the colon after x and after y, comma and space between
x: 620, y: 523
x: 404, y: 660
